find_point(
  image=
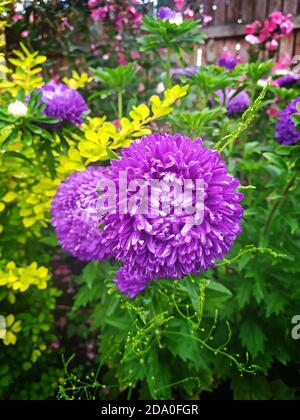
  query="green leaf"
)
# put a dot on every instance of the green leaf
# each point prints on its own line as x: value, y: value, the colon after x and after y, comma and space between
x: 39, y: 131
x: 218, y: 287
x: 12, y: 154
x: 253, y: 338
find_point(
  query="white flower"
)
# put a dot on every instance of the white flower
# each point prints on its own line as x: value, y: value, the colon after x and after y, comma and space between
x: 177, y: 19
x: 17, y: 109
x: 282, y: 72
x: 160, y: 87
x: 262, y: 82
x: 252, y: 39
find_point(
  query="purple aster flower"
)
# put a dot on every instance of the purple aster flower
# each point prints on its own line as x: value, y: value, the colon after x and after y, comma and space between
x: 164, y: 244
x: 228, y: 61
x: 131, y: 282
x: 234, y: 103
x: 287, y: 80
x: 75, y: 217
x: 165, y: 13
x: 285, y: 130
x: 186, y: 72
x: 63, y: 102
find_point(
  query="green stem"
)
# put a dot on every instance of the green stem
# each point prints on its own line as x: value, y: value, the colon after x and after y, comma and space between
x: 279, y: 202
x: 168, y: 67
x: 120, y: 104
x: 37, y: 155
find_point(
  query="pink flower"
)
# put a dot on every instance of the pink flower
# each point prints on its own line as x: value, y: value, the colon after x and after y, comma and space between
x: 92, y: 3
x: 277, y: 17
x: 25, y: 34
x: 283, y: 63
x: 252, y: 39
x: 273, y: 111
x: 272, y: 45
x: 269, y: 26
x: 55, y: 344
x: 287, y: 27
x: 206, y: 19
x: 188, y: 13
x: 179, y: 4
x: 263, y: 35
x: 100, y: 13
x: 252, y: 28
x: 135, y: 55
x: 17, y: 17
x: 141, y: 88
x: 122, y: 60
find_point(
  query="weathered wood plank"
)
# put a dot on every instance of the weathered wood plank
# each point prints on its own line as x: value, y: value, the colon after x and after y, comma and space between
x: 247, y: 9
x: 219, y: 12
x: 290, y: 6
x: 274, y: 5
x: 233, y: 11
x: 297, y: 43
x: 260, y: 9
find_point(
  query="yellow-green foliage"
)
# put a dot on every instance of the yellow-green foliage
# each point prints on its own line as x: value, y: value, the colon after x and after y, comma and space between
x: 26, y: 75
x: 101, y: 137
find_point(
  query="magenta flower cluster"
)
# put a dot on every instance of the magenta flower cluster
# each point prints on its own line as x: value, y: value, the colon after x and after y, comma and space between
x: 123, y: 17
x: 268, y: 33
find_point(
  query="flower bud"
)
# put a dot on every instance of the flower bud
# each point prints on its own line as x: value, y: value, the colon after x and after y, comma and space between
x: 17, y: 109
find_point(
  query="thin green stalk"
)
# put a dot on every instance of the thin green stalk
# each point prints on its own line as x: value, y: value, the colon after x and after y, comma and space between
x: 120, y: 104
x: 37, y: 155
x: 279, y: 202
x: 168, y: 67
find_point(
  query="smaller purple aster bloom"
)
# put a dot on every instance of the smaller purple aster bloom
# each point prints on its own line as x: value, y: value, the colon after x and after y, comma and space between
x: 285, y: 130
x: 234, y: 103
x: 75, y: 217
x: 186, y: 72
x: 287, y: 80
x: 63, y: 102
x: 228, y: 61
x: 165, y: 13
x: 131, y: 282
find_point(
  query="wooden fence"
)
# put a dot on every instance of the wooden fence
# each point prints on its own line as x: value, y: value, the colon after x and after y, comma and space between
x: 230, y: 17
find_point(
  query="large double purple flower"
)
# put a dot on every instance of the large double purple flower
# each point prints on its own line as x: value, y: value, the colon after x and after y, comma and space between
x: 156, y: 244
x: 163, y: 245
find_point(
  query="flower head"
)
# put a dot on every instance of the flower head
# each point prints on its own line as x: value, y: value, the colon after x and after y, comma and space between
x: 162, y: 243
x: 165, y: 13
x: 131, y: 282
x: 17, y: 109
x: 63, y: 102
x: 285, y: 130
x: 228, y: 60
x: 186, y: 72
x: 235, y: 103
x: 287, y: 80
x: 253, y: 28
x: 75, y: 217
